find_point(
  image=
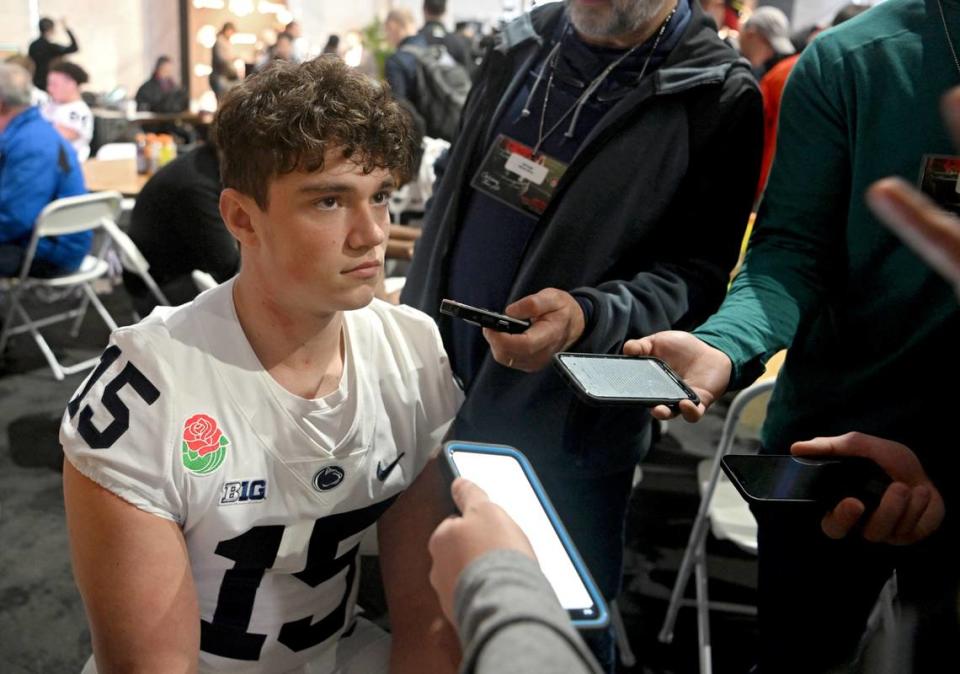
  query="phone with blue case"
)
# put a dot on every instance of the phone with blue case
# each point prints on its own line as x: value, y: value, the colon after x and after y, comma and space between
x: 510, y: 481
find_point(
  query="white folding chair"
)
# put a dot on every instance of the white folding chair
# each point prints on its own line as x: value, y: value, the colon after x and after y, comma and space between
x: 722, y: 509
x: 63, y: 216
x: 728, y: 516
x: 133, y: 260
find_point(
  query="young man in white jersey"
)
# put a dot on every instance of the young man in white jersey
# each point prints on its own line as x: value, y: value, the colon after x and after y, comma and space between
x: 66, y: 109
x: 226, y: 456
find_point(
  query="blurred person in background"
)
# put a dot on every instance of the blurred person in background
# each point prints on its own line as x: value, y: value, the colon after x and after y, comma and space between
x: 38, y: 166
x: 38, y: 97
x: 717, y: 9
x: 43, y: 51
x: 765, y: 39
x: 283, y: 48
x: 223, y: 74
x: 67, y: 111
x: 772, y: 85
x: 301, y: 46
x: 435, y: 32
x: 401, y: 66
x: 176, y: 224
x: 333, y: 45
x: 161, y: 93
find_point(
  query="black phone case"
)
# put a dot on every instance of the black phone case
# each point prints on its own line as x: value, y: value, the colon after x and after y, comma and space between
x: 484, y: 317
x: 847, y: 476
x: 594, y: 401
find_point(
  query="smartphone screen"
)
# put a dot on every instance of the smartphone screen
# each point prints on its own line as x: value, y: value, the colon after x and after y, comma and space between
x: 618, y: 378
x: 769, y: 477
x: 503, y: 478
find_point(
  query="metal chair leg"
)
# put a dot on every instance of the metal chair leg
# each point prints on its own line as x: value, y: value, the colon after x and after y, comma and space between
x: 81, y: 313
x: 627, y: 657
x: 698, y: 534
x: 703, y: 610
x: 45, y: 349
x: 98, y: 305
x: 8, y: 319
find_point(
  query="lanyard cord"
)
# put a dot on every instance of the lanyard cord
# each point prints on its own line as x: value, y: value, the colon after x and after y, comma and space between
x: 946, y: 30
x: 577, y: 106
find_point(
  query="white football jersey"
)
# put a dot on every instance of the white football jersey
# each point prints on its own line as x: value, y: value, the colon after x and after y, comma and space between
x: 75, y: 115
x: 181, y: 420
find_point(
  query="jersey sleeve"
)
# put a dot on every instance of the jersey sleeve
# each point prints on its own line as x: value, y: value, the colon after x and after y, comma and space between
x: 118, y: 428
x: 440, y: 396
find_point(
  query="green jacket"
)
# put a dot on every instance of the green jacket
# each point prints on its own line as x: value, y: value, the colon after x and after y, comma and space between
x: 871, y: 330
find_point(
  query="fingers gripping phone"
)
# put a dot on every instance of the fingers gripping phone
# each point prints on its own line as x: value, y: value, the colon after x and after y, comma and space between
x: 484, y: 317
x: 623, y: 380
x: 774, y: 478
x: 510, y: 482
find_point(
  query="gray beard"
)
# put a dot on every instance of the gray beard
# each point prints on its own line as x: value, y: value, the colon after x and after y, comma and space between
x: 627, y: 16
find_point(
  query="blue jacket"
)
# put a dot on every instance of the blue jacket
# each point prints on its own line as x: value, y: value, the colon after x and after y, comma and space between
x: 38, y: 166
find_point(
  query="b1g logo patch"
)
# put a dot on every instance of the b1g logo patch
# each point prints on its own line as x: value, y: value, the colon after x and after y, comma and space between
x: 204, y: 446
x: 243, y: 491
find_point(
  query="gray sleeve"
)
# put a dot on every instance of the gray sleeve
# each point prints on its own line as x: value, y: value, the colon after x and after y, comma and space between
x: 509, y: 620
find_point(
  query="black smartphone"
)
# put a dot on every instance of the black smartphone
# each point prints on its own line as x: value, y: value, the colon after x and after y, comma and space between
x: 484, y: 317
x: 623, y: 380
x: 510, y: 481
x: 783, y: 478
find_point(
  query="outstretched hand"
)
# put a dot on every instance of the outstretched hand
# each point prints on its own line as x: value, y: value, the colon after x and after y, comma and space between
x: 704, y: 369
x: 458, y: 541
x: 911, y: 508
x: 558, y: 322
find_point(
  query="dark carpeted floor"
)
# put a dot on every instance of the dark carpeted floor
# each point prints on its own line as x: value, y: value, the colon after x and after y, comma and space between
x: 42, y: 623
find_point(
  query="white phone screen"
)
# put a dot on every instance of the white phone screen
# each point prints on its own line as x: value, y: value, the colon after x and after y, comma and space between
x: 623, y: 378
x: 503, y: 479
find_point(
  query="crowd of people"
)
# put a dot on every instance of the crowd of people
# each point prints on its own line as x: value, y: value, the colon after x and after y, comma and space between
x: 604, y: 160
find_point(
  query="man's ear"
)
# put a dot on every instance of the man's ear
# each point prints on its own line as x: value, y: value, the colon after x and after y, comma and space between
x: 237, y: 211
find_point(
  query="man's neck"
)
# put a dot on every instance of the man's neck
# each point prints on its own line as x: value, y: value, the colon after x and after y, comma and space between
x: 303, y: 353
x: 7, y: 116
x: 638, y: 36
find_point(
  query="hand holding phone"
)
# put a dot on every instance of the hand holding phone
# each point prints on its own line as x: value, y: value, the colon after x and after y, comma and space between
x: 623, y: 380
x: 510, y: 482
x: 458, y: 541
x: 706, y: 370
x: 911, y: 508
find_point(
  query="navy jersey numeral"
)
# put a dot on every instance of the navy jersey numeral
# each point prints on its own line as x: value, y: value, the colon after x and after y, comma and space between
x: 255, y: 551
x: 129, y: 375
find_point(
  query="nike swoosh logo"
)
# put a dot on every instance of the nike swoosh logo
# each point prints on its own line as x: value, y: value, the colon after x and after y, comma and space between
x: 384, y: 473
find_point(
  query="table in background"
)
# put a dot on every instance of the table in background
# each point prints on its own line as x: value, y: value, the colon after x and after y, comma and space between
x: 120, y: 175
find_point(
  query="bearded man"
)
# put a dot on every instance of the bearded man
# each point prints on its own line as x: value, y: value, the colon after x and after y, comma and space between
x: 599, y: 187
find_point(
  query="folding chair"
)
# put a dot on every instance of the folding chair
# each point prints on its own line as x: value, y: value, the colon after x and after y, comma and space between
x: 203, y: 280
x: 722, y: 509
x: 133, y: 260
x: 63, y: 216
x: 725, y: 513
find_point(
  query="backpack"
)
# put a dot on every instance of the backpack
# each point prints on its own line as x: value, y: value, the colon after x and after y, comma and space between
x: 442, y: 88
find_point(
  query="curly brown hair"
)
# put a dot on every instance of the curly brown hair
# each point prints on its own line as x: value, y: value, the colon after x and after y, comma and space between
x: 286, y: 117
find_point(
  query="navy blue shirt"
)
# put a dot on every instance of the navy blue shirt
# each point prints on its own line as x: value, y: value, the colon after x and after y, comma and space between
x: 493, y: 237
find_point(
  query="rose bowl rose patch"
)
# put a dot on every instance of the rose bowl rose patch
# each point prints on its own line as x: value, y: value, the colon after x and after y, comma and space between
x: 204, y: 446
